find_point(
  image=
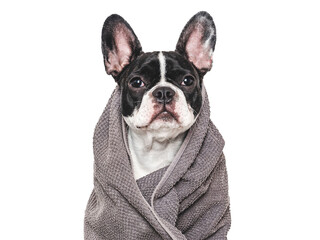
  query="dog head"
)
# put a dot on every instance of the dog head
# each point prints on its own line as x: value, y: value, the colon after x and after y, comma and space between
x: 161, y: 91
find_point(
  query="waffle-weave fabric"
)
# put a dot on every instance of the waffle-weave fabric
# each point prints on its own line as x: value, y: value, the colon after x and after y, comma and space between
x: 186, y: 200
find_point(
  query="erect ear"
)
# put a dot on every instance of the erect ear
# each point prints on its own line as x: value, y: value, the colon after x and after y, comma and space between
x: 197, y: 41
x: 120, y: 45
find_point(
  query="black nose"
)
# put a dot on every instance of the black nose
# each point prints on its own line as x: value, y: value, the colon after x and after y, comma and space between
x: 163, y: 94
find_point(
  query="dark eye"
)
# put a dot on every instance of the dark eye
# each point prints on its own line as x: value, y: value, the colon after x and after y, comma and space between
x: 187, y: 81
x: 136, y: 82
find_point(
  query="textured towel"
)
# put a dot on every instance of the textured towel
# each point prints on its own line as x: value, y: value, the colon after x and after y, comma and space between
x: 186, y: 200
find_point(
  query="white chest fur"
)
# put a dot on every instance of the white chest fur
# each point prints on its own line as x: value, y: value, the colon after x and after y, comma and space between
x: 148, y: 154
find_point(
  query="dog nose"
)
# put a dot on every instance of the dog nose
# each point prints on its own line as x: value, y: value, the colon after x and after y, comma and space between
x: 163, y: 94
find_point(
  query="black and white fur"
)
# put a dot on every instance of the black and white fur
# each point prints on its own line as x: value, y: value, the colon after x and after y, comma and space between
x: 161, y: 91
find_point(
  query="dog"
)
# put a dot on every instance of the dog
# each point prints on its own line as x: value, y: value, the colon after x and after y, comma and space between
x: 160, y: 171
x: 161, y: 90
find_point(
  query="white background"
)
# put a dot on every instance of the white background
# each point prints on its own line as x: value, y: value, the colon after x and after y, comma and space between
x: 263, y: 89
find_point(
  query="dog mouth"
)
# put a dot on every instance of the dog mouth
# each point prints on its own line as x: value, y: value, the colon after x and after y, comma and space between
x: 163, y: 115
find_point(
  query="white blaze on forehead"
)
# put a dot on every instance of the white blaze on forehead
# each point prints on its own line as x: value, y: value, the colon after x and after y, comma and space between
x: 162, y: 61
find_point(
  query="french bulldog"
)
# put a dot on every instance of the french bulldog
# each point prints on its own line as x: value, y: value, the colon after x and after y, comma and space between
x: 160, y: 91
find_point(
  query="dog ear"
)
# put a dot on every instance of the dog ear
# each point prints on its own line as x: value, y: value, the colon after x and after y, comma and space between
x: 119, y: 45
x: 197, y: 41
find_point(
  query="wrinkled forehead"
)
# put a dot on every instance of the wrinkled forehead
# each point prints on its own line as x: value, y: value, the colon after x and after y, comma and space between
x: 156, y: 66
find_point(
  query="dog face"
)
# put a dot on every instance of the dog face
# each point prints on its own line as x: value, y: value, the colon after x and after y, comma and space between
x: 161, y: 91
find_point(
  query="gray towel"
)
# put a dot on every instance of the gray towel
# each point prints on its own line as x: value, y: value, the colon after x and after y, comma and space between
x: 186, y: 200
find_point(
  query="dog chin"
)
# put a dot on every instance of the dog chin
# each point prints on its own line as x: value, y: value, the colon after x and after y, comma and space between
x: 160, y: 129
x: 163, y: 124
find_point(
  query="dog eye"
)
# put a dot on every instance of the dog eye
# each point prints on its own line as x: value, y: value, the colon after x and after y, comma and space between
x: 187, y: 81
x: 136, y: 82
